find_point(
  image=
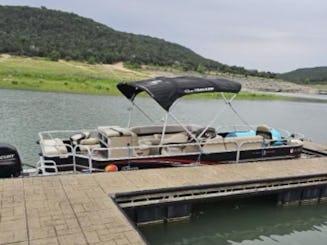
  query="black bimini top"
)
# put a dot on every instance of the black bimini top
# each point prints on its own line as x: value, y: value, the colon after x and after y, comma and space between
x: 166, y: 90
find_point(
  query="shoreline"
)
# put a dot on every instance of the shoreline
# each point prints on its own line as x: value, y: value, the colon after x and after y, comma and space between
x: 243, y: 95
x: 39, y: 74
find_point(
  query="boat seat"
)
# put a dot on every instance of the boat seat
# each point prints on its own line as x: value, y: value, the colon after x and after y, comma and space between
x: 85, y: 148
x: 169, y: 150
x: 117, y: 140
x: 264, y: 131
x: 177, y: 138
x: 114, y: 131
x: 192, y: 148
x: 89, y: 141
x: 157, y: 129
x: 249, y: 142
x: 89, y: 144
x: 149, y: 140
x: 144, y: 149
x: 53, y: 147
x: 171, y: 143
x: 149, y: 145
x: 76, y: 138
x: 214, y: 144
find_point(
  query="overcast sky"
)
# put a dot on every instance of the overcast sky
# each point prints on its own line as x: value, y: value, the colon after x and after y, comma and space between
x: 275, y: 35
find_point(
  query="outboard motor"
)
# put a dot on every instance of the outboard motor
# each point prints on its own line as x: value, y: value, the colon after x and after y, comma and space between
x: 10, y: 163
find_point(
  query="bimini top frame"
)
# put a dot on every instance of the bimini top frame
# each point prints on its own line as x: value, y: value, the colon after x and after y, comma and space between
x: 165, y: 90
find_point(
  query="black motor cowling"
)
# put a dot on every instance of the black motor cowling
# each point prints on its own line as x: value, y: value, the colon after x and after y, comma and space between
x: 10, y: 163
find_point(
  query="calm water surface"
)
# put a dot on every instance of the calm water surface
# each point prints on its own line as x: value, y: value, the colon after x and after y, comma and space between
x: 245, y: 222
x: 23, y: 114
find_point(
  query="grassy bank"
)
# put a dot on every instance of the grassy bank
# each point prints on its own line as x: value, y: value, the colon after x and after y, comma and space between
x: 44, y: 75
x: 76, y: 77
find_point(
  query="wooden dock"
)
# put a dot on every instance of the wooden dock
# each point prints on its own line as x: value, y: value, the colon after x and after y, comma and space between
x: 78, y: 208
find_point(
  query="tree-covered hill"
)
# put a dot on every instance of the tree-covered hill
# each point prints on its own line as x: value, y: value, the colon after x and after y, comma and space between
x: 59, y: 35
x: 316, y: 75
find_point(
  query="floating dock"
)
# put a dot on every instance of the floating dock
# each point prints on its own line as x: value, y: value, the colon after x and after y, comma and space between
x: 93, y: 208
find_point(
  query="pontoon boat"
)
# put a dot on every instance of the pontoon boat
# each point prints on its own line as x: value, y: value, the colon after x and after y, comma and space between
x: 122, y: 148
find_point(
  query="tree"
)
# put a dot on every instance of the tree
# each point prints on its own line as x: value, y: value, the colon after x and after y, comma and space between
x: 54, y: 55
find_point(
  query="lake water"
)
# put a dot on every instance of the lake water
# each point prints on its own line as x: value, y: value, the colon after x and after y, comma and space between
x: 244, y: 222
x: 23, y: 114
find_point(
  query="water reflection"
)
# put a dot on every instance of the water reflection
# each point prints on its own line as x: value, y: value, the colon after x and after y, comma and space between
x: 244, y: 222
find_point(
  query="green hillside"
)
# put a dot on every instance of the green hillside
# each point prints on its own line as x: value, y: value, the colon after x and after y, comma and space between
x: 59, y: 35
x: 316, y: 75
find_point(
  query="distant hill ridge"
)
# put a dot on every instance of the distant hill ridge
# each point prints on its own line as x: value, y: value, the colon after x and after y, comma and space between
x: 307, y: 75
x: 59, y: 35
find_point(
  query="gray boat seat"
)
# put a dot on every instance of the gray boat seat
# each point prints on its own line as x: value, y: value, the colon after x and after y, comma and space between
x: 264, y: 131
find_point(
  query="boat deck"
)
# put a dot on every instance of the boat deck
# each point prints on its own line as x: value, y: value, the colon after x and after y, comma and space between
x: 78, y: 209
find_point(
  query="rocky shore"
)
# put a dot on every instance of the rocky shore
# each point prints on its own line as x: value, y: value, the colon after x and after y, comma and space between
x: 250, y: 83
x: 272, y: 85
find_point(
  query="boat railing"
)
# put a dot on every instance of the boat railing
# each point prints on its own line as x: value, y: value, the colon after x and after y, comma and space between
x: 239, y: 145
x: 71, y: 151
x: 235, y: 127
x: 90, y: 154
x: 47, y: 167
x: 135, y: 152
x: 131, y: 151
x: 93, y: 154
x: 60, y: 133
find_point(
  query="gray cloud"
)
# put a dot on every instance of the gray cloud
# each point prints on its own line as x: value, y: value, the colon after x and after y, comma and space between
x: 278, y: 35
